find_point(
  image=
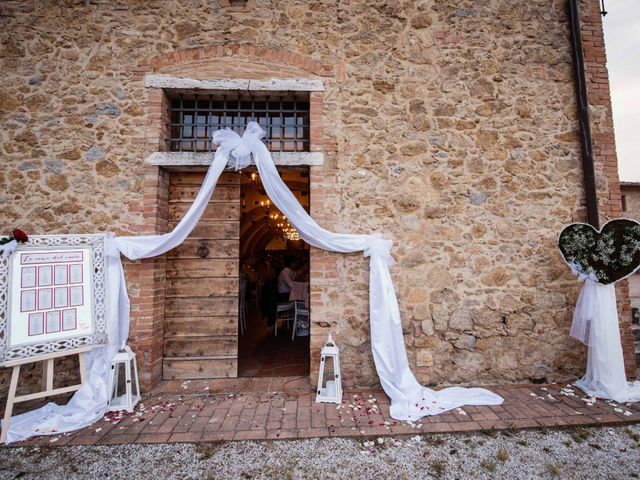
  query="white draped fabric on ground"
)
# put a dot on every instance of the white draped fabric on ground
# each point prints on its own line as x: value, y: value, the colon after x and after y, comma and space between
x: 409, y: 399
x: 595, y: 323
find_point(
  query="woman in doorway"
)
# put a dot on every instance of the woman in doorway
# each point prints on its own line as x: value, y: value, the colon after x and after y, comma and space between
x: 278, y: 290
x: 286, y: 278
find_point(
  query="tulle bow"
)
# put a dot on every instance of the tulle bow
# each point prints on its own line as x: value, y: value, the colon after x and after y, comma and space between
x: 378, y: 246
x: 240, y: 148
x: 579, y: 272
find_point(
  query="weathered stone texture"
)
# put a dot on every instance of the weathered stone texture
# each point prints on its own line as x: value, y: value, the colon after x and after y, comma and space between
x: 631, y: 193
x: 454, y: 129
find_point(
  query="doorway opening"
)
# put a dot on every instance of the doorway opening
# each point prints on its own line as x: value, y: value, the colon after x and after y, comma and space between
x: 273, y: 335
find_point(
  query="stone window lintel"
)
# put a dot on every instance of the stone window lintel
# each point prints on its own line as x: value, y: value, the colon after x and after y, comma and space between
x: 273, y: 84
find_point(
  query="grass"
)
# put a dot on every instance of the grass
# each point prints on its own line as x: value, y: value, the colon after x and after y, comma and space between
x: 435, y: 441
x: 553, y: 469
x: 502, y: 455
x: 633, y: 435
x: 579, y: 434
x: 207, y: 450
x: 489, y: 465
x: 438, y: 467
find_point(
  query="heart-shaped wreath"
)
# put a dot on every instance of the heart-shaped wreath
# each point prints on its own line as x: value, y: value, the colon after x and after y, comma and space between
x: 604, y: 256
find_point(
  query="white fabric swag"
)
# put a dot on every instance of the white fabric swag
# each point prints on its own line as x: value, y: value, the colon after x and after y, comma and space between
x: 409, y: 399
x: 595, y: 323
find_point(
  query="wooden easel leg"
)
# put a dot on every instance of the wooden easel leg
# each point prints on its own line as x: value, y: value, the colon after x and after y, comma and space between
x: 44, y: 375
x: 9, y: 408
x: 83, y: 367
x: 49, y: 374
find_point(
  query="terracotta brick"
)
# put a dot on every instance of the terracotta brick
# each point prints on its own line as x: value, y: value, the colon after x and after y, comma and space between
x: 153, y: 438
x: 255, y: 434
x: 186, y: 437
x: 117, y: 439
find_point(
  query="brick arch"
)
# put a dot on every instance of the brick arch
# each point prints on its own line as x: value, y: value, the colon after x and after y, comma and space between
x: 250, y: 54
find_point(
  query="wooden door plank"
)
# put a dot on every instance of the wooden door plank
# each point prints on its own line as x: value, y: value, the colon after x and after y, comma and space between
x: 214, y: 211
x: 187, y: 193
x: 199, y: 368
x: 200, y: 326
x: 214, y: 230
x: 202, y: 267
x: 201, y: 307
x: 197, y: 178
x: 201, y: 287
x: 200, y: 346
x: 217, y: 249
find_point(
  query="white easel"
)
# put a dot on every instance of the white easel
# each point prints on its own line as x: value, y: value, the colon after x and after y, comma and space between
x: 47, y: 381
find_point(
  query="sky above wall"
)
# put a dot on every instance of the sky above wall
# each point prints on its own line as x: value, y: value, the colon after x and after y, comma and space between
x: 622, y: 42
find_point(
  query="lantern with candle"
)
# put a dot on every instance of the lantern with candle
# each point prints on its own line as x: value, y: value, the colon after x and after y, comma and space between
x: 329, y: 380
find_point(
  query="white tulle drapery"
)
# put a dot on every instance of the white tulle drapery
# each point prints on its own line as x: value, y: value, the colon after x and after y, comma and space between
x: 8, y: 248
x: 88, y: 404
x: 595, y: 323
x: 409, y: 399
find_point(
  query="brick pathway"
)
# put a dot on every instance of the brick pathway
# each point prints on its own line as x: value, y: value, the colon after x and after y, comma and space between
x: 269, y: 408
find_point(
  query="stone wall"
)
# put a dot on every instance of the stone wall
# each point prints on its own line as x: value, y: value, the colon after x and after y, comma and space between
x: 449, y: 126
x: 631, y: 193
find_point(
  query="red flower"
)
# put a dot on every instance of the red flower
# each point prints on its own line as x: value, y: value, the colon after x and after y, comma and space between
x: 20, y: 236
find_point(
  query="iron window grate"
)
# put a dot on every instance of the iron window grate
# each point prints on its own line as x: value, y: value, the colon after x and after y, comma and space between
x: 193, y: 119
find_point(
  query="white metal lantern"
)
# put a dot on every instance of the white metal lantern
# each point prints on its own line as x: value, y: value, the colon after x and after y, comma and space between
x: 331, y: 391
x: 127, y: 401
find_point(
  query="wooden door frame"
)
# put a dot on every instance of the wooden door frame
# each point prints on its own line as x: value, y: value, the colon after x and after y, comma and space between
x: 147, y: 278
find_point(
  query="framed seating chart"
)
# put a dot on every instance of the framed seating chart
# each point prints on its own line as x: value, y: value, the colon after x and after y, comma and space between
x: 52, y: 296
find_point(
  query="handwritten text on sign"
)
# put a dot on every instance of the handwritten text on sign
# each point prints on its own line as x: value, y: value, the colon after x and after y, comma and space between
x: 53, y: 298
x: 50, y: 257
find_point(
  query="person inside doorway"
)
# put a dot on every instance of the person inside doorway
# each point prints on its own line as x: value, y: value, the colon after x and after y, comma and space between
x: 286, y: 278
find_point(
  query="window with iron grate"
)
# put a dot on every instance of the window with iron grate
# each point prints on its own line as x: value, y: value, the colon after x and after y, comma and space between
x: 284, y: 116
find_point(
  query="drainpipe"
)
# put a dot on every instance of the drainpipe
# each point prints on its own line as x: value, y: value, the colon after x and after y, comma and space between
x: 586, y: 145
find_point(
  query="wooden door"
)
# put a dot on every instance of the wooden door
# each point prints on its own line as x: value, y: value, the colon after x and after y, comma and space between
x: 201, y: 310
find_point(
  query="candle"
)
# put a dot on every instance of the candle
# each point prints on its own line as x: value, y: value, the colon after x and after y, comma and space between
x: 331, y: 388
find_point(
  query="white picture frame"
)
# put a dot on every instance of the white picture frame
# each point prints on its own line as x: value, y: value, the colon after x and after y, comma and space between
x: 53, y: 296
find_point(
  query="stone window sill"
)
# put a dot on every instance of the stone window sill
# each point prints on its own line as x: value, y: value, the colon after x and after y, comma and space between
x: 203, y: 159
